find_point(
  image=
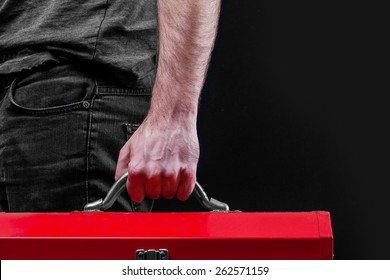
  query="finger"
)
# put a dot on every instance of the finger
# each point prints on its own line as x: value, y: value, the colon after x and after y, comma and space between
x: 123, y: 162
x: 169, y: 185
x: 153, y: 187
x: 135, y: 185
x: 186, y: 184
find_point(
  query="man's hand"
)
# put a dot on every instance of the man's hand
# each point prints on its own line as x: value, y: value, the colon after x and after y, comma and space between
x: 161, y: 158
x: 162, y: 155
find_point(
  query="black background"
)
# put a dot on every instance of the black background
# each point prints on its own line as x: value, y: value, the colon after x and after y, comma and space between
x: 294, y: 116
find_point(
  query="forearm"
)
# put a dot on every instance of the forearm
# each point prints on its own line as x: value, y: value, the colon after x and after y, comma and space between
x: 162, y: 155
x: 187, y: 30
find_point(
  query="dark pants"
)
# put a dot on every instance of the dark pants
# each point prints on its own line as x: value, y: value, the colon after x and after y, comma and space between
x: 61, y: 129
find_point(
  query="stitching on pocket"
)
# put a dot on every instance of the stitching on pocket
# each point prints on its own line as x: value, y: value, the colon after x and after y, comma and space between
x: 41, y: 111
x: 108, y: 90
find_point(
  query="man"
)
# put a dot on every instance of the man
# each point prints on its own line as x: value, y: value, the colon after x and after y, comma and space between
x: 77, y: 75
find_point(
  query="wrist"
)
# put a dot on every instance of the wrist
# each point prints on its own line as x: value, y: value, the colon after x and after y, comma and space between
x: 173, y: 104
x: 177, y: 113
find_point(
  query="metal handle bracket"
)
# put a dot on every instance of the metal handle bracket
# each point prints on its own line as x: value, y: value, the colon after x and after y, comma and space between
x: 120, y: 185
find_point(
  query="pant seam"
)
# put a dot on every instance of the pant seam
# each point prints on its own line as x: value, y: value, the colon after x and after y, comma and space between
x: 88, y: 146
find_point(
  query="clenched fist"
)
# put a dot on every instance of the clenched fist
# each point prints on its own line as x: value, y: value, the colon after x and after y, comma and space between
x: 161, y: 158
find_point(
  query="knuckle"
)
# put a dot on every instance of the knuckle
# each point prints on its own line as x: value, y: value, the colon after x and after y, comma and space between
x: 169, y: 175
x: 136, y: 172
x: 152, y: 175
x: 188, y: 173
x: 154, y: 170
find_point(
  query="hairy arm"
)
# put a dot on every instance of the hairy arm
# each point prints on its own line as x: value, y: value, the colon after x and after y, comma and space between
x: 162, y: 155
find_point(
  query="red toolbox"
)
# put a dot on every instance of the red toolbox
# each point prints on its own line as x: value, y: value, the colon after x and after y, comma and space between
x: 220, y: 234
x: 177, y: 236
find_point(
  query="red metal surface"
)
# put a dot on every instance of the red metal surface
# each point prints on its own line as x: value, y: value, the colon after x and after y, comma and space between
x: 210, y: 235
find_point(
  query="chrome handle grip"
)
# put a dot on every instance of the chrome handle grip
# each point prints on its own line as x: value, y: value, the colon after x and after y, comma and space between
x: 119, y: 186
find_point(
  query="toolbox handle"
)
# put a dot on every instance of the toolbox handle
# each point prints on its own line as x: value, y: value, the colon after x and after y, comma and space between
x: 119, y: 186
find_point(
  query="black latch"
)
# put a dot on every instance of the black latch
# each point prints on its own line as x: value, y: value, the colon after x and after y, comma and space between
x: 152, y: 254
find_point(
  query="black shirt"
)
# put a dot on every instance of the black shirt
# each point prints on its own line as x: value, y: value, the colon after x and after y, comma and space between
x: 117, y: 36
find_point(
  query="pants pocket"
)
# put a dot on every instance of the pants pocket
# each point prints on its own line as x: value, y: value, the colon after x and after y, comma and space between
x: 43, y: 140
x: 51, y: 89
